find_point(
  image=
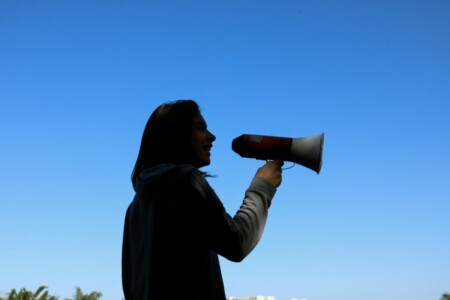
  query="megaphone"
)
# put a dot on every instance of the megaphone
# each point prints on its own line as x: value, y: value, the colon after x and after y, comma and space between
x: 306, y: 151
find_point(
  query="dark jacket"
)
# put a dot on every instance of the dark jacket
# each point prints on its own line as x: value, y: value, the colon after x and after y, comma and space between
x: 174, y: 229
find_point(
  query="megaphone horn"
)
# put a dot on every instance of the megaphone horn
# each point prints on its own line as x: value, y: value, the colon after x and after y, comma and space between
x: 306, y: 151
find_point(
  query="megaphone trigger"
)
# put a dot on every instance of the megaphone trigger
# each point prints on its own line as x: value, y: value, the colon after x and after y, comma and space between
x: 290, y: 167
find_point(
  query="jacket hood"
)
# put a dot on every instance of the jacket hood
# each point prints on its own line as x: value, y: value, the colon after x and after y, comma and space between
x: 159, y: 176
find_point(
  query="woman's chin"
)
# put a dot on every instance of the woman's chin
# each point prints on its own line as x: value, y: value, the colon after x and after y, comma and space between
x: 203, y: 163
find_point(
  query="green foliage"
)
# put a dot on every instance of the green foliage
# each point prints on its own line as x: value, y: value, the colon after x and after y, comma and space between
x: 445, y: 296
x: 42, y: 294
x: 24, y: 294
x: 91, y: 296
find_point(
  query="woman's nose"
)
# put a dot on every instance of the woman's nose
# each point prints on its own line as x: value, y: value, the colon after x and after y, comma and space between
x: 211, y: 137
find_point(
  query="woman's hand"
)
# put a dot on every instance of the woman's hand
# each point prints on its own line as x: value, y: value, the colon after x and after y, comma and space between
x: 271, y: 172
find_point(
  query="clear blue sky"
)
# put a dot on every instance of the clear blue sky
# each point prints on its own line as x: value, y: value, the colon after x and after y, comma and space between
x: 78, y: 80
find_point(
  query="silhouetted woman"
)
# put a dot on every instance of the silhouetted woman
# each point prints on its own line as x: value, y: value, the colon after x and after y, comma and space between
x: 176, y: 226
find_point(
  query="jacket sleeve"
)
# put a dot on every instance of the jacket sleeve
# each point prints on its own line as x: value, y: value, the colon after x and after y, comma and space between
x: 232, y: 237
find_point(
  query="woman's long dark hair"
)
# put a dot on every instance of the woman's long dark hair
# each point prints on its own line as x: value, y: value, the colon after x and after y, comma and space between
x: 167, y: 136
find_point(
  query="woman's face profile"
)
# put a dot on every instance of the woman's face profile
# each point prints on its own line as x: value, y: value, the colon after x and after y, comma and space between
x: 201, y: 142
